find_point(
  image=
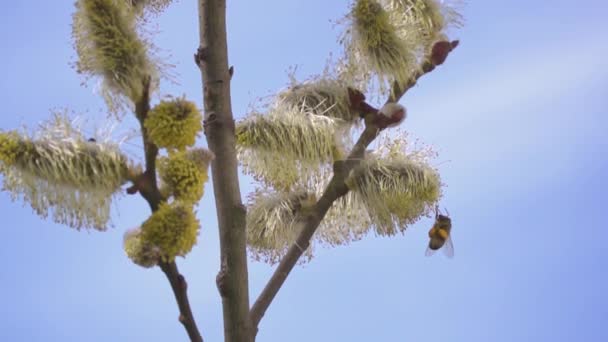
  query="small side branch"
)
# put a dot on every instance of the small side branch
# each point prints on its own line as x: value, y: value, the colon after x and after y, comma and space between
x: 146, y: 183
x: 180, y: 290
x: 438, y: 55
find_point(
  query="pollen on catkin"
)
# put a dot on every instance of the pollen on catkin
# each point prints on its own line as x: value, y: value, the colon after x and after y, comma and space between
x: 286, y: 146
x: 108, y: 45
x: 10, y: 148
x: 396, y: 188
x: 321, y: 96
x: 141, y: 253
x: 174, y: 124
x: 272, y: 222
x: 374, y: 47
x: 59, y: 171
x: 425, y: 20
x: 173, y: 228
x: 184, y: 173
x: 346, y: 221
x: 151, y: 6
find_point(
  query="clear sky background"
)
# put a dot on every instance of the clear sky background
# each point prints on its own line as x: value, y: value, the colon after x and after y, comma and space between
x: 518, y: 114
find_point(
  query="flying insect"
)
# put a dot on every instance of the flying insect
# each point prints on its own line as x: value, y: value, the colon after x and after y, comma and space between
x: 440, y: 235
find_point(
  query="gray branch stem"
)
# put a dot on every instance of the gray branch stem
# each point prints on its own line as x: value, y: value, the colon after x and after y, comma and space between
x: 232, y: 279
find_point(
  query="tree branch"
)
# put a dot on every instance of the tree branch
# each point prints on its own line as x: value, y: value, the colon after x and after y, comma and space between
x: 437, y: 56
x: 336, y: 189
x: 180, y: 290
x: 212, y: 59
x: 146, y: 182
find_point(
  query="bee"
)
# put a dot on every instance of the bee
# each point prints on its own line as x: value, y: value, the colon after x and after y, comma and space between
x: 440, y: 235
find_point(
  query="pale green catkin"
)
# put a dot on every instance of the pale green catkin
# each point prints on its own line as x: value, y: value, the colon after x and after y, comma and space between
x: 396, y: 187
x: 374, y: 47
x: 108, y: 45
x: 272, y: 222
x: 427, y: 20
x: 285, y: 146
x: 321, y: 96
x: 58, y: 171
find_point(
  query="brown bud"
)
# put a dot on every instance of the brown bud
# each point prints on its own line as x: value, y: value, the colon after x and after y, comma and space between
x: 356, y: 98
x: 441, y: 50
x: 390, y: 115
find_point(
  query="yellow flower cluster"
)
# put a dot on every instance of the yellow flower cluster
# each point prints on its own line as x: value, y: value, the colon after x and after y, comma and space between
x: 141, y: 253
x: 173, y: 229
x: 10, y: 147
x: 174, y: 124
x: 184, y: 174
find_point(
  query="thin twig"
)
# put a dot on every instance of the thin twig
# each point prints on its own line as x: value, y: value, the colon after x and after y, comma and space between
x: 147, y: 186
x: 180, y: 290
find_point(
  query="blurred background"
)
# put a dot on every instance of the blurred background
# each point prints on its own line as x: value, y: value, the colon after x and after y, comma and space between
x: 518, y: 114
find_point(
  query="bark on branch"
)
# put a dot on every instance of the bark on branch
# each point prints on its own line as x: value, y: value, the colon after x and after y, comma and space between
x: 180, y: 290
x: 212, y: 59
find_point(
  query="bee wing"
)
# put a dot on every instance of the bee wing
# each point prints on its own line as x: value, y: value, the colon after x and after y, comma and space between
x: 429, y: 251
x: 448, y: 247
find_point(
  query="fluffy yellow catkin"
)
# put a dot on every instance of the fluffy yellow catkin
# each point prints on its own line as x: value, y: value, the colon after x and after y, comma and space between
x: 184, y: 173
x: 174, y: 124
x: 173, y: 228
x: 142, y: 254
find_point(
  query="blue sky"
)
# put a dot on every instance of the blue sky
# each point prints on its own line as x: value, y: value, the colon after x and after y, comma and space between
x: 518, y: 114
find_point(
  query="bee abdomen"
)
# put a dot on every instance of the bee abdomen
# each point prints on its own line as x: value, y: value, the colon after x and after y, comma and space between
x: 436, y: 243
